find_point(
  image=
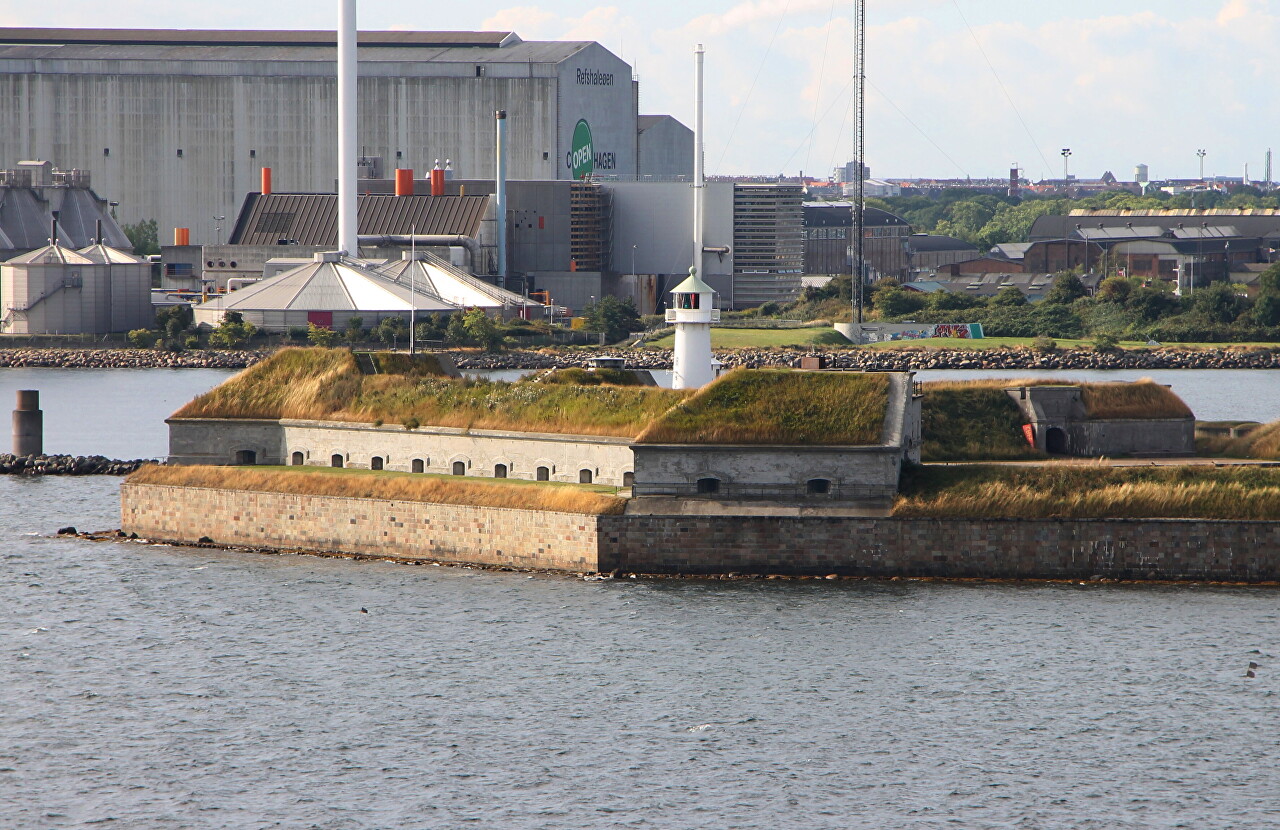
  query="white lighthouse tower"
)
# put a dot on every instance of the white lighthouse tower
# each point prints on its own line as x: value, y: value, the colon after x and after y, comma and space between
x: 691, y: 310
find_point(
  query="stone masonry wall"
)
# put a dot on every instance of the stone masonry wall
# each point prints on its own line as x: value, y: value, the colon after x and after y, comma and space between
x: 1166, y: 549
x: 982, y: 548
x: 401, y: 529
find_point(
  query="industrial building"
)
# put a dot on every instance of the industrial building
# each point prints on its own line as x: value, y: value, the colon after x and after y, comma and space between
x: 35, y: 194
x: 577, y: 241
x: 58, y: 290
x: 177, y: 124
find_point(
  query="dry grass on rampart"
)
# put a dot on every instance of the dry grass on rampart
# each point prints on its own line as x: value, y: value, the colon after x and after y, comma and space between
x: 1121, y: 401
x: 777, y: 406
x: 327, y: 385
x: 1263, y: 443
x: 558, y: 498
x: 972, y: 421
x: 1091, y: 492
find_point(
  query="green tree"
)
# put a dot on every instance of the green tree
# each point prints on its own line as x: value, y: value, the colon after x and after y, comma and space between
x: 949, y: 301
x: 320, y: 336
x: 1009, y: 296
x: 481, y: 329
x: 456, y: 331
x: 1067, y: 288
x: 1218, y: 302
x: 355, y: 329
x: 143, y: 236
x: 233, y: 332
x: 895, y: 301
x: 612, y: 317
x: 1115, y: 289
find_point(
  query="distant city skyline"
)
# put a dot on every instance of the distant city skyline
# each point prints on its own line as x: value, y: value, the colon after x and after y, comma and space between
x: 1149, y: 83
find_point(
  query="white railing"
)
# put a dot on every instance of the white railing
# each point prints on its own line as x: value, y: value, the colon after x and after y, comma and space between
x: 672, y: 312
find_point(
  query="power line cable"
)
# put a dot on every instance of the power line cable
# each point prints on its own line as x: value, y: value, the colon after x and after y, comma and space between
x: 816, y: 122
x: 822, y: 70
x: 743, y: 108
x: 918, y: 129
x: 1000, y: 83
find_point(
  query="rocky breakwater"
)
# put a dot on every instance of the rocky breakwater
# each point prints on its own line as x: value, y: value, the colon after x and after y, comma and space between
x: 128, y: 359
x: 902, y: 359
x: 67, y: 465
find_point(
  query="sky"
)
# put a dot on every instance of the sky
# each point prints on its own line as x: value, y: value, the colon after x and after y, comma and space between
x: 955, y: 87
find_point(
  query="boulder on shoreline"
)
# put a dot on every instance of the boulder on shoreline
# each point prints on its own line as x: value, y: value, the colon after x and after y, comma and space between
x: 127, y: 359
x: 67, y: 465
x: 897, y: 360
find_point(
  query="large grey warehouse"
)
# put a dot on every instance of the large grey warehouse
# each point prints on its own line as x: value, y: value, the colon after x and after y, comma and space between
x: 176, y: 125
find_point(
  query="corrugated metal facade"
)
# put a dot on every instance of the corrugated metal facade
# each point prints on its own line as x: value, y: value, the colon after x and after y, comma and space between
x: 178, y: 130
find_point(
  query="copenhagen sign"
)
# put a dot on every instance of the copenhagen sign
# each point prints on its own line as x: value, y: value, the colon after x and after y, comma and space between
x: 582, y: 159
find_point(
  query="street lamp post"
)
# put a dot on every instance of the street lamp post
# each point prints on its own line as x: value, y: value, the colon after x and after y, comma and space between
x: 1066, y: 175
x: 1201, y: 153
x: 217, y: 227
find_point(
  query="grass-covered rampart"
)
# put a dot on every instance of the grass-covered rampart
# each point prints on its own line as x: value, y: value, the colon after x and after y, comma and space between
x: 745, y: 406
x: 975, y: 420
x: 1090, y: 492
x: 327, y: 384
x: 557, y: 497
x: 774, y: 406
x: 1261, y: 443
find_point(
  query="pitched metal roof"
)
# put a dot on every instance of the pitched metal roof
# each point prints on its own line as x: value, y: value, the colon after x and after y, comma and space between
x: 250, y: 37
x: 934, y: 242
x: 111, y: 256
x: 312, y: 218
x: 840, y: 214
x: 439, y: 278
x: 50, y: 255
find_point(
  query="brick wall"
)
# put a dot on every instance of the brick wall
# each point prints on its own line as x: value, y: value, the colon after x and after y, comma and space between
x: 448, y: 533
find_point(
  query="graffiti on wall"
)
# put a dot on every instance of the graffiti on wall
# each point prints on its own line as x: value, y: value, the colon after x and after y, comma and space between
x: 963, y: 331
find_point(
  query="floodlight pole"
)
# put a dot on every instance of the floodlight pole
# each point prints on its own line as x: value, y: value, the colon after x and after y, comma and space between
x: 859, y: 149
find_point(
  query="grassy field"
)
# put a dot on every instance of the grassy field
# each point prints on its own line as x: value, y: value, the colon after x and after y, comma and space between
x: 1088, y: 492
x: 770, y: 406
x: 327, y: 384
x: 764, y: 338
x: 558, y: 497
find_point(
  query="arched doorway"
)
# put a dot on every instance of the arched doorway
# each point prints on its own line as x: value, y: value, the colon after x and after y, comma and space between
x: 297, y: 459
x: 335, y: 460
x: 1055, y: 441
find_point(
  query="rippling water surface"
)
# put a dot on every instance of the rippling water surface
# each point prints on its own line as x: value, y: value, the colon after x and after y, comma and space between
x: 166, y: 687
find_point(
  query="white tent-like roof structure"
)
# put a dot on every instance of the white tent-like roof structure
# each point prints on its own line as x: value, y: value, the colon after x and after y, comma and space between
x: 331, y: 289
x: 450, y: 283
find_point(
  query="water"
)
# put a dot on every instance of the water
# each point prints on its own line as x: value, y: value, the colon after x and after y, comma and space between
x: 118, y: 413
x: 167, y: 687
x: 160, y: 687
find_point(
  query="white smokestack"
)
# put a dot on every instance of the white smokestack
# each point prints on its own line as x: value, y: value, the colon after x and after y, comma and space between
x: 699, y: 174
x: 348, y: 241
x: 500, y: 194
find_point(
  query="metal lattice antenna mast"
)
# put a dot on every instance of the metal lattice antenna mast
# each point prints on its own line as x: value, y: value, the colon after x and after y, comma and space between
x: 859, y: 148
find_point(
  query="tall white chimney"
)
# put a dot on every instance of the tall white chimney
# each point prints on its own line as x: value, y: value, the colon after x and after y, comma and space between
x: 500, y: 195
x: 348, y: 240
x: 699, y: 174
